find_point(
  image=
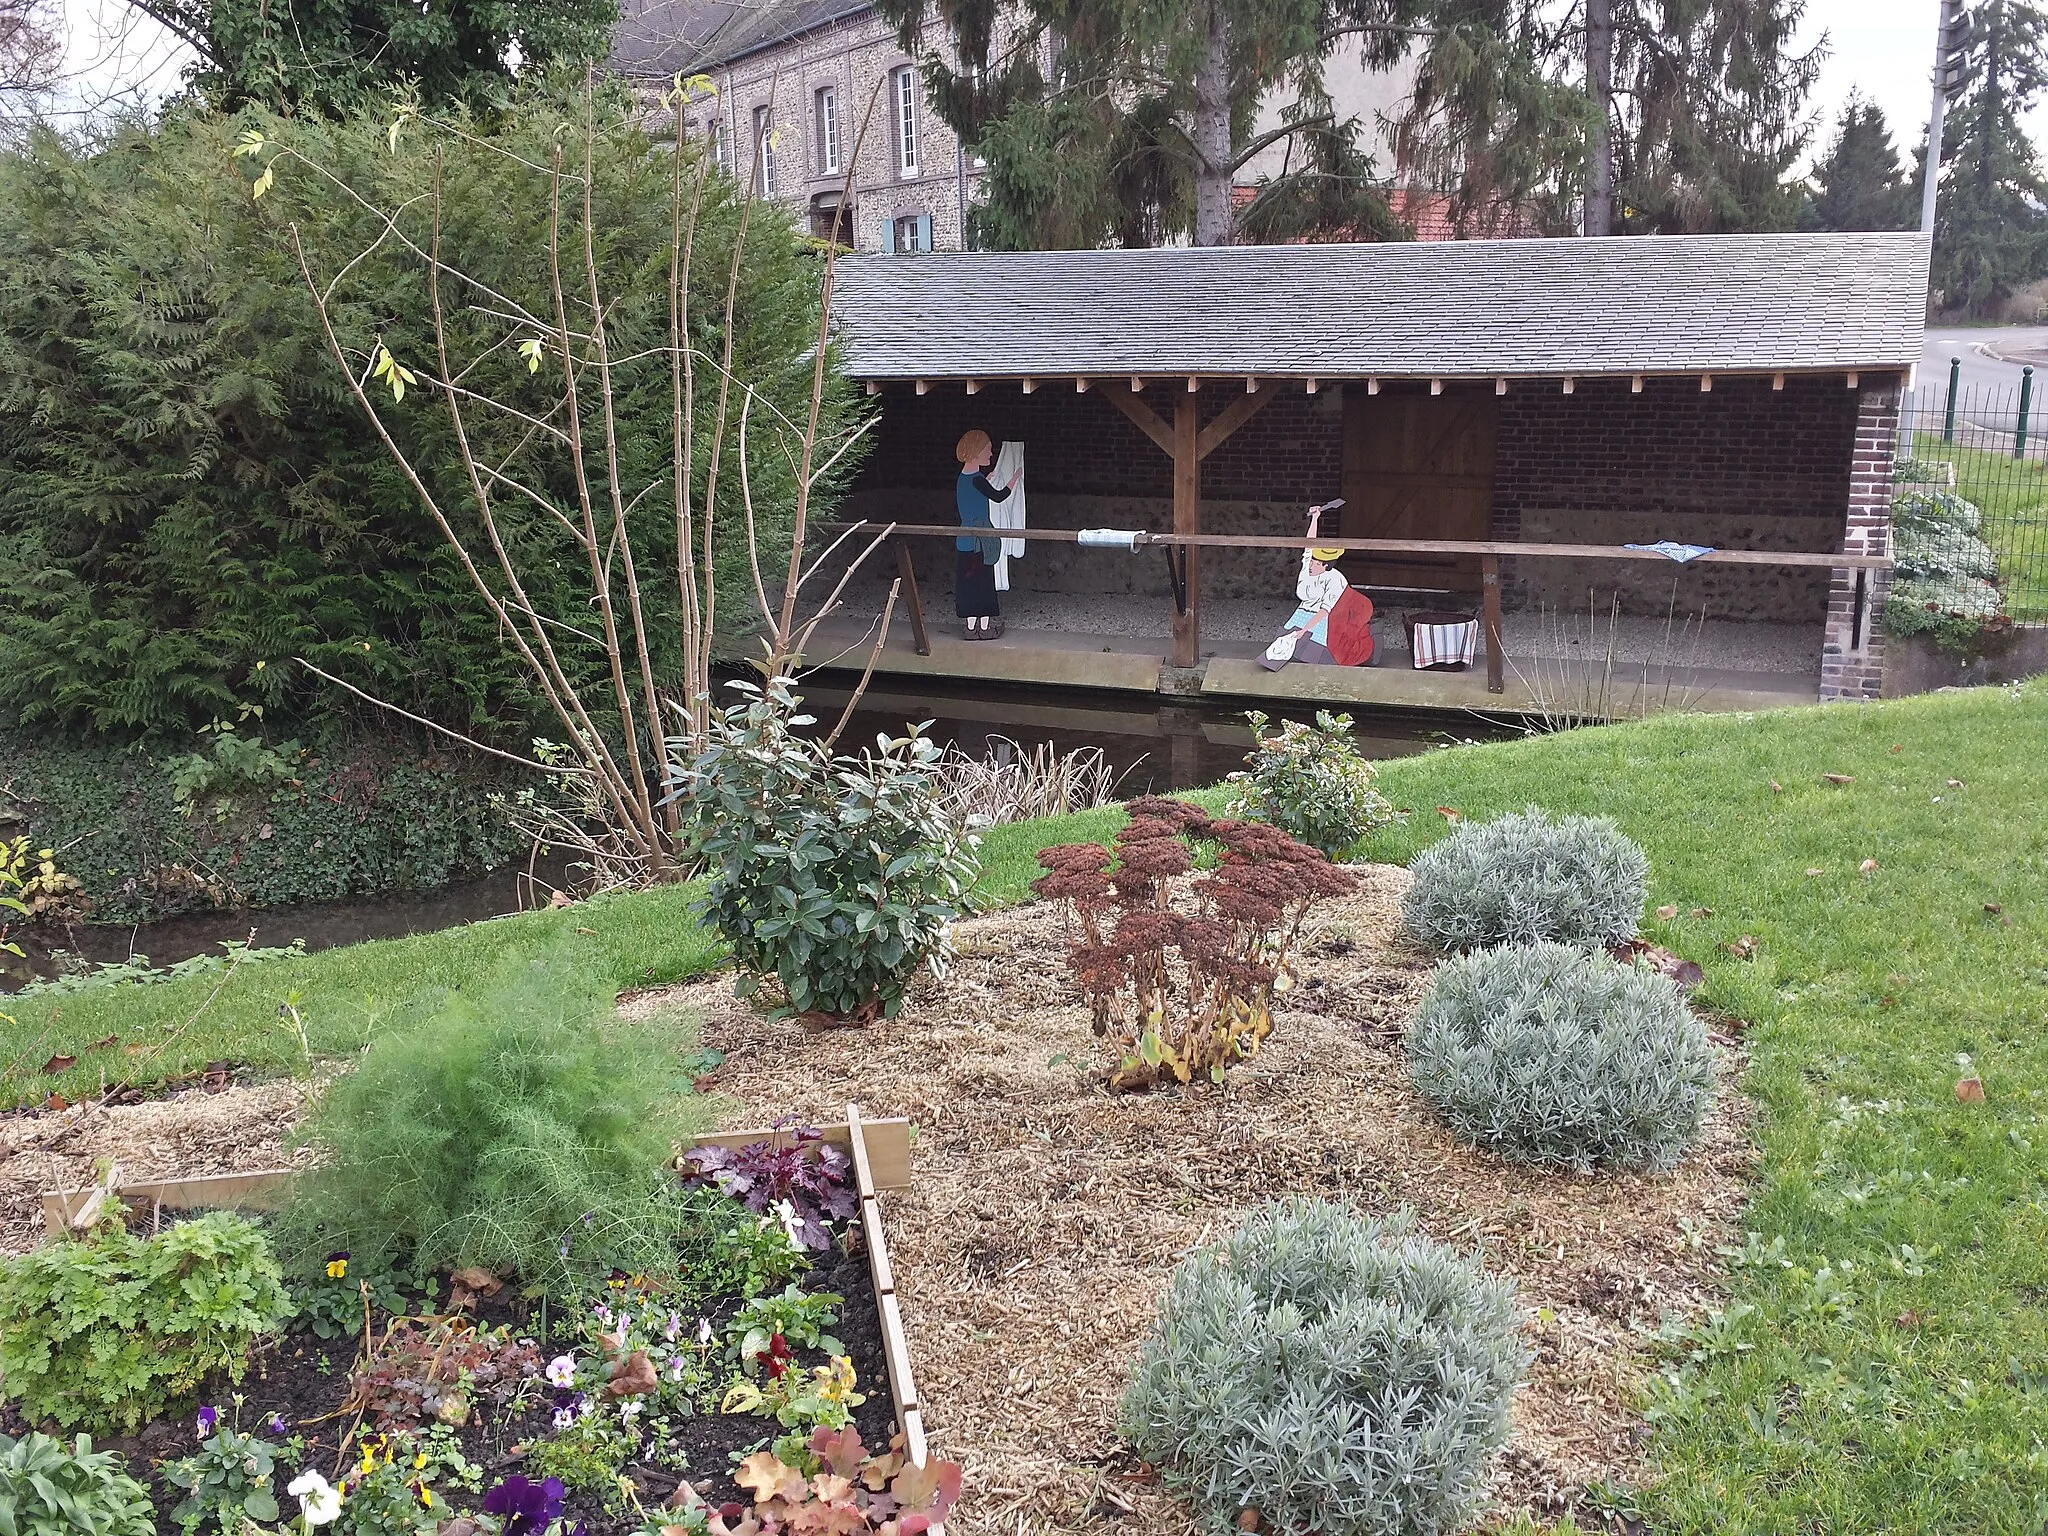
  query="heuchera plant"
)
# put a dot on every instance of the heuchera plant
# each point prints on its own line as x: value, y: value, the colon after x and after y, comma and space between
x: 851, y: 1494
x: 807, y: 1181
x: 1184, y: 993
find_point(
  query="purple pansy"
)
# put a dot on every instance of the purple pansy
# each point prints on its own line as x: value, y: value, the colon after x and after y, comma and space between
x: 528, y: 1508
x: 208, y: 1417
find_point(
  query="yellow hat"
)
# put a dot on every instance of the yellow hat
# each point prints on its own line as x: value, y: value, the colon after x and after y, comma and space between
x: 1327, y: 556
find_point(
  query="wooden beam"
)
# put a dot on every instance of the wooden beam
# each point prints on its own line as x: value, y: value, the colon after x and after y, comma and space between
x: 1500, y: 386
x: 1852, y: 378
x: 1030, y: 385
x: 1436, y: 386
x: 1193, y: 384
x: 1706, y: 383
x: 924, y: 387
x: 1251, y: 384
x: 1228, y: 420
x: 1081, y: 386
x: 906, y: 570
x: 874, y: 388
x: 1311, y: 386
x: 1146, y: 418
x: 1372, y: 386
x: 1777, y: 381
x: 1187, y: 519
x: 1137, y: 384
x: 1489, y: 585
x: 974, y: 386
x: 1569, y: 383
x: 1635, y: 385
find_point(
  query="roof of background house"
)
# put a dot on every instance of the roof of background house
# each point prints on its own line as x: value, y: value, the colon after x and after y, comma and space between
x: 1476, y: 308
x: 668, y: 37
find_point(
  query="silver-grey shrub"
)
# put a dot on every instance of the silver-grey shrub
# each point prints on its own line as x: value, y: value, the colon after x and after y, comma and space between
x: 1548, y: 1054
x: 1522, y: 879
x: 1338, y: 1373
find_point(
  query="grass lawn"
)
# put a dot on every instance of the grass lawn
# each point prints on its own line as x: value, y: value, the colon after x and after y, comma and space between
x: 2013, y: 495
x: 1882, y: 1364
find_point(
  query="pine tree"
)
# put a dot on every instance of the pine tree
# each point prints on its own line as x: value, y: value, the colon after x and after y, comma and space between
x: 1992, y: 233
x: 1135, y: 132
x: 1690, y: 111
x: 1861, y: 185
x: 335, y: 56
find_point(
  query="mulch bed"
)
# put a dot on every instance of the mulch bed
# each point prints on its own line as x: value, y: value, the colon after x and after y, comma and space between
x: 1046, y: 1214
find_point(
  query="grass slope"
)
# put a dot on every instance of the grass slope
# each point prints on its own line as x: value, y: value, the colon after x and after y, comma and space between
x: 164, y: 1032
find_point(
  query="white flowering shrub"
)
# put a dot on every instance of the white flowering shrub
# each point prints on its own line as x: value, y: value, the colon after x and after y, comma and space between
x: 1522, y: 879
x: 1944, y: 580
x: 1337, y: 1373
x: 1547, y: 1054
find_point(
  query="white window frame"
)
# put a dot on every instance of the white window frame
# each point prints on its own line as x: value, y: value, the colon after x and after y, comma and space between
x: 919, y: 225
x: 827, y: 100
x: 764, y: 149
x: 903, y: 93
x: 714, y: 130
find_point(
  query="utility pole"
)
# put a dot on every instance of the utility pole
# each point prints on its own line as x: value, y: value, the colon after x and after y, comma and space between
x: 1951, y: 74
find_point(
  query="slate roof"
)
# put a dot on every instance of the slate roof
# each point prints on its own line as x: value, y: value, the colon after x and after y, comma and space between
x: 664, y: 37
x: 1475, y: 308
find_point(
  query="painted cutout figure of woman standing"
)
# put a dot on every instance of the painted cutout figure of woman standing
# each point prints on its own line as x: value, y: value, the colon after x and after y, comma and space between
x: 1331, y: 623
x: 974, y: 565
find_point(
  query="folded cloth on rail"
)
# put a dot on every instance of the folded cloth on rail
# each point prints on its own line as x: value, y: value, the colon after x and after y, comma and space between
x: 1009, y: 470
x: 1109, y: 538
x: 1670, y: 549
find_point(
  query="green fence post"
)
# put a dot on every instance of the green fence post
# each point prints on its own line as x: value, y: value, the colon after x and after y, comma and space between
x: 2019, y: 433
x: 1948, y: 420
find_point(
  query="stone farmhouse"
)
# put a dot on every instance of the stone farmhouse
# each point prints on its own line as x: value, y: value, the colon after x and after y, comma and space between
x: 791, y: 81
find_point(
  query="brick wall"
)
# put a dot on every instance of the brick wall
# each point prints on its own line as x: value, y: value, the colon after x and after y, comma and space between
x: 1852, y: 650
x: 1742, y: 467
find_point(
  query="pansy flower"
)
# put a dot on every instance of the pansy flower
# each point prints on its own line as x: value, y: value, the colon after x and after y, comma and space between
x: 528, y: 1508
x: 208, y: 1417
x: 337, y: 1265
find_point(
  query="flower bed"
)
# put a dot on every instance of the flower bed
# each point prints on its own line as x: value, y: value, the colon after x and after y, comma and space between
x: 467, y: 1402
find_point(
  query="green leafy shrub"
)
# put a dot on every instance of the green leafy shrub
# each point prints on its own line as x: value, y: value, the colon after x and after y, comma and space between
x: 1522, y: 879
x: 839, y: 876
x: 1944, y: 579
x: 516, y: 1126
x: 1337, y: 1373
x: 1548, y: 1054
x: 105, y: 1332
x: 50, y: 1489
x: 1311, y: 783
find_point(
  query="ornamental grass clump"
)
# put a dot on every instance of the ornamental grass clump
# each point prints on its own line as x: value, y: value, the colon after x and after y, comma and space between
x: 515, y: 1126
x: 1183, y: 991
x: 1335, y: 1373
x: 1526, y: 879
x: 838, y: 876
x: 1547, y: 1054
x: 1311, y: 782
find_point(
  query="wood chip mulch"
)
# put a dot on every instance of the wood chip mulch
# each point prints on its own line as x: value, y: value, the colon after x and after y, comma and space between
x: 1046, y: 1213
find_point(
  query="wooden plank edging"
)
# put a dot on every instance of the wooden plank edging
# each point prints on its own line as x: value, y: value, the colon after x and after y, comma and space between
x: 887, y: 1145
x: 895, y: 1343
x: 259, y: 1191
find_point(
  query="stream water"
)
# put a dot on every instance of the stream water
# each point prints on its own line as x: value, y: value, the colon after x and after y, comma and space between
x: 1151, y: 746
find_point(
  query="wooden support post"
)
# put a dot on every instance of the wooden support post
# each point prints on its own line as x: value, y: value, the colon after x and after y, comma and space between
x: 907, y: 569
x: 1187, y: 518
x: 1489, y: 582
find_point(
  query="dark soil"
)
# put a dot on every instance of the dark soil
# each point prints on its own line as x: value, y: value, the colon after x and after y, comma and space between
x: 305, y: 1379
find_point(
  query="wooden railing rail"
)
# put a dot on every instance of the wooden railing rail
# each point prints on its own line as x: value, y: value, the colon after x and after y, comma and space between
x: 1488, y: 551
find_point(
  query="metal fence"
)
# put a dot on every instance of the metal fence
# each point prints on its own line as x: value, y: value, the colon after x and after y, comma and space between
x: 1989, y: 446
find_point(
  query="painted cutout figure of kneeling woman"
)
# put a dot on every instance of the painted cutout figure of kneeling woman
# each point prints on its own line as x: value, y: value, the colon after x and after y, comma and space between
x: 976, y: 553
x: 1332, y: 624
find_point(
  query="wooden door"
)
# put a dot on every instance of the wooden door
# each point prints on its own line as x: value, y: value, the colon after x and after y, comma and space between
x: 1417, y: 466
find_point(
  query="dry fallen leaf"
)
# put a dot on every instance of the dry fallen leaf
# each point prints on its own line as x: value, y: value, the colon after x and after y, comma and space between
x: 1812, y: 872
x: 1970, y: 1090
x: 59, y: 1063
x: 561, y: 899
x: 1777, y: 788
x: 634, y: 1378
x: 1908, y: 1319
x: 1743, y: 948
x: 1702, y: 911
x: 1993, y: 908
x: 1867, y: 867
x: 1839, y: 778
x: 481, y: 1281
x: 56, y: 1101
x: 1665, y: 914
x: 1897, y: 749
x: 1955, y: 783
x: 1448, y: 814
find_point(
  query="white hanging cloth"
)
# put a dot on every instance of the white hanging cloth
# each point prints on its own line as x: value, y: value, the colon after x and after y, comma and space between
x: 1008, y: 513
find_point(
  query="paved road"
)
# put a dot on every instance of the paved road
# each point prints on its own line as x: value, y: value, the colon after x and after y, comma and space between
x: 1993, y: 358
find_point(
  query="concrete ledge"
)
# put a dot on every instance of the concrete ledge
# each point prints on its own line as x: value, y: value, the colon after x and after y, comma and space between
x: 1021, y: 656
x: 1915, y: 664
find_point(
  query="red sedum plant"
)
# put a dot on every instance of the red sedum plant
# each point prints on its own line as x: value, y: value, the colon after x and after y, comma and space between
x: 1183, y: 991
x: 850, y: 1494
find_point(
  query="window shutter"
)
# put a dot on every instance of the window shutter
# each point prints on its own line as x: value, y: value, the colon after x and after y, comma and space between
x: 924, y: 231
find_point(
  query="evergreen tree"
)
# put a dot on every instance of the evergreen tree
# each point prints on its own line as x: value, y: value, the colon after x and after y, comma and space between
x: 1653, y: 116
x: 1861, y: 185
x: 1991, y: 234
x: 334, y: 56
x: 1134, y: 133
